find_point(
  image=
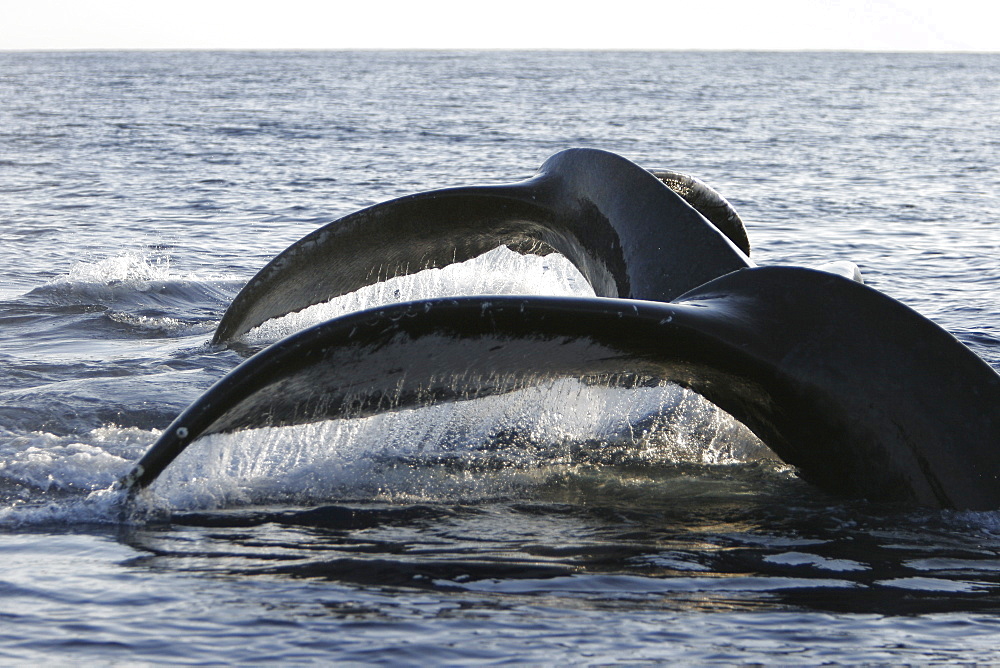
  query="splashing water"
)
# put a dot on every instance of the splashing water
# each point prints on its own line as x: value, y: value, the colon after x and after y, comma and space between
x: 483, y: 448
x: 487, y: 448
x: 131, y: 266
x: 498, y: 272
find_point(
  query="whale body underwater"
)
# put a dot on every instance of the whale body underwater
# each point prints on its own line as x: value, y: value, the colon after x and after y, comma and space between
x: 863, y: 395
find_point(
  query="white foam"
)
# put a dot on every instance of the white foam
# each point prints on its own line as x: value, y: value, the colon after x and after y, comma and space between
x: 51, y: 479
x: 84, y: 462
x: 136, y: 274
x: 128, y: 266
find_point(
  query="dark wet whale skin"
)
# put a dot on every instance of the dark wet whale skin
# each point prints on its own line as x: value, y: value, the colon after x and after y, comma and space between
x: 865, y: 396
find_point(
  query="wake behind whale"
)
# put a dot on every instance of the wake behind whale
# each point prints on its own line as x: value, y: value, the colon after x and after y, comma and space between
x: 863, y: 395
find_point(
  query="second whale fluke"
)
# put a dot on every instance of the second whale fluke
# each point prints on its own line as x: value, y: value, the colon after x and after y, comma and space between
x: 628, y: 235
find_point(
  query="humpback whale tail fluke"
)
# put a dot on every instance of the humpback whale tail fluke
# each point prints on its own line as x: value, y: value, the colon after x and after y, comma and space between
x: 864, y: 396
x: 627, y: 234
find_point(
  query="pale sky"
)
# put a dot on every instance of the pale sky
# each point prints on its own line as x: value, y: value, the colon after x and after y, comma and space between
x: 875, y: 25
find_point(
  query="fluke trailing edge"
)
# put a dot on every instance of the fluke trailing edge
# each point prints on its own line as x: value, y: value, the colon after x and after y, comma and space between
x: 864, y: 396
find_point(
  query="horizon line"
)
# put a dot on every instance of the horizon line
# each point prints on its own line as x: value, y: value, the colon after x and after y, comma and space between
x: 442, y: 49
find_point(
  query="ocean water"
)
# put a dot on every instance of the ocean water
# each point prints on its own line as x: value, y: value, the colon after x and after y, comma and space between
x: 564, y: 523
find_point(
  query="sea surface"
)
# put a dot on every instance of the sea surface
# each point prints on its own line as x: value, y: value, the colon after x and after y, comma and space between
x: 139, y: 191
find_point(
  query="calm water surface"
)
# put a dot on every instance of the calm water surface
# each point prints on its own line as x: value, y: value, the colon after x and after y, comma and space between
x: 139, y: 191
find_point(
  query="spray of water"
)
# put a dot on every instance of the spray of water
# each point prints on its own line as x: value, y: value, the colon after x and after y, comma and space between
x: 499, y: 446
x: 487, y: 447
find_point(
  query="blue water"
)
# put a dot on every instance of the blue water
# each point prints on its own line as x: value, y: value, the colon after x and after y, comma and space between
x: 139, y: 191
